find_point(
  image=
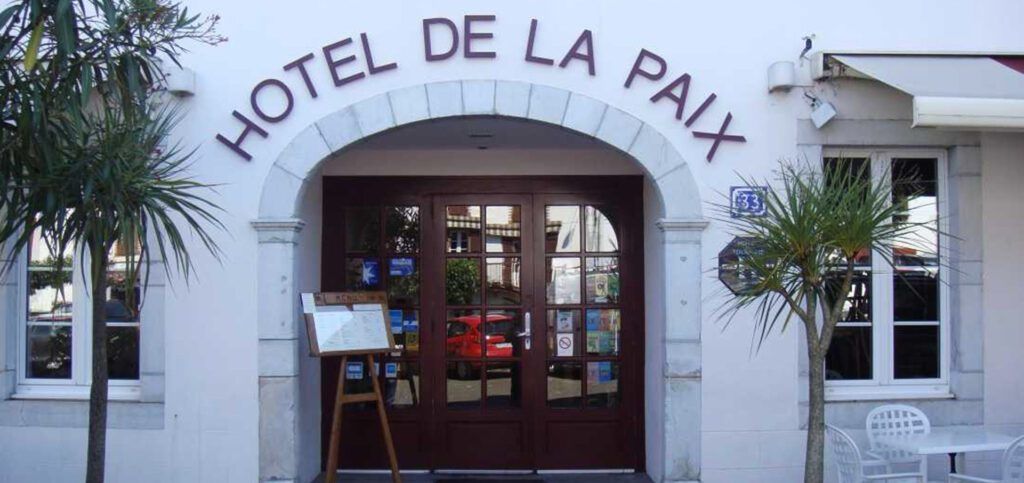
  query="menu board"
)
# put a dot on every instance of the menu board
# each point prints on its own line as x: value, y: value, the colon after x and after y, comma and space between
x: 341, y: 323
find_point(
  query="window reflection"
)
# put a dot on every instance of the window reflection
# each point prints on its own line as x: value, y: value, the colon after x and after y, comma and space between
x: 462, y: 281
x: 917, y: 351
x: 601, y: 235
x: 402, y: 228
x: 562, y: 231
x: 362, y: 229
x: 503, y: 233
x: 915, y: 193
x: 563, y: 285
x: 849, y: 355
x: 603, y: 384
x: 49, y: 307
x: 462, y: 224
x: 565, y: 384
x: 503, y: 284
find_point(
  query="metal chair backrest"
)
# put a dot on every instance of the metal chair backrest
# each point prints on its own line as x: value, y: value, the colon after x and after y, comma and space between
x: 846, y: 455
x: 1013, y: 462
x: 895, y: 420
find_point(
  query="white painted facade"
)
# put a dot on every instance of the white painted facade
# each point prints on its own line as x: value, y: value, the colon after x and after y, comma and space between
x: 227, y: 391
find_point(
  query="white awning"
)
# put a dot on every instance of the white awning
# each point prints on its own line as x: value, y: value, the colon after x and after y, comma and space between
x: 962, y: 92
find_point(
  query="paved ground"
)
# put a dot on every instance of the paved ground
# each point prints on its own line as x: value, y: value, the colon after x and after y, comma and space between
x: 429, y: 478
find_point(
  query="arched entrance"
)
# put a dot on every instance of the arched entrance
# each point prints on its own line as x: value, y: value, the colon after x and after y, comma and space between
x: 289, y: 406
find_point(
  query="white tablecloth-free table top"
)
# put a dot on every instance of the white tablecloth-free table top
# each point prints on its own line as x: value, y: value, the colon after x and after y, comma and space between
x: 950, y: 440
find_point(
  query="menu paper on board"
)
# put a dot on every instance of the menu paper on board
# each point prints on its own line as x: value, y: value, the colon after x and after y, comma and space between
x: 351, y: 331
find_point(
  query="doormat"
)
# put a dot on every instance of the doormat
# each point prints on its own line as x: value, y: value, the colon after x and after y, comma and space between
x: 489, y: 480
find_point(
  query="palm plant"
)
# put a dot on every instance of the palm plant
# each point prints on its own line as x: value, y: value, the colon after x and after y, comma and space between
x: 800, y: 261
x: 84, y: 154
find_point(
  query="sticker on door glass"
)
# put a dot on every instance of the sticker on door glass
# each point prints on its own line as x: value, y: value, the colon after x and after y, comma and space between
x: 565, y: 345
x: 603, y: 331
x: 371, y: 272
x: 402, y: 267
x: 354, y: 371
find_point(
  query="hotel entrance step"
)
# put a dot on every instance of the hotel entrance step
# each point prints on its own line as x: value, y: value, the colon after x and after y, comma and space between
x: 525, y: 478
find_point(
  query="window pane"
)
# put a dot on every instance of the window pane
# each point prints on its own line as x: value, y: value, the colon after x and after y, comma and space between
x: 565, y: 387
x: 915, y: 193
x: 600, y: 233
x: 561, y: 229
x: 844, y: 171
x: 50, y: 294
x: 402, y: 229
x: 503, y: 229
x: 463, y: 334
x: 462, y: 281
x: 849, y: 356
x: 463, y: 228
x: 916, y: 295
x: 603, y: 384
x: 603, y: 280
x: 463, y: 386
x: 564, y: 332
x: 858, y: 301
x: 49, y: 352
x: 603, y: 331
x: 403, y: 281
x: 916, y: 351
x: 501, y: 331
x: 362, y: 229
x: 401, y: 384
x: 405, y: 329
x: 503, y: 286
x: 563, y: 275
x: 123, y: 352
x: 503, y: 385
x: 123, y: 295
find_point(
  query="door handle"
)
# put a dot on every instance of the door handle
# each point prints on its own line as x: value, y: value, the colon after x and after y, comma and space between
x: 527, y: 333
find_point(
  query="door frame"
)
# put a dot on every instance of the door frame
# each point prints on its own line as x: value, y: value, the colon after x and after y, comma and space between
x: 625, y: 192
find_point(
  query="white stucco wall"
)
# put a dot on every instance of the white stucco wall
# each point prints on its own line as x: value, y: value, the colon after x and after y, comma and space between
x: 1002, y: 178
x: 751, y: 421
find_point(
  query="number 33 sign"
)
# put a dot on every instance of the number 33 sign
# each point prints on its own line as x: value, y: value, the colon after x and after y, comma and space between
x: 747, y: 201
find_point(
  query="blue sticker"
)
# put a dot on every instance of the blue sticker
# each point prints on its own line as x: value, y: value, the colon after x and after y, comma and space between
x: 371, y: 272
x: 391, y: 370
x: 593, y: 320
x: 402, y: 267
x: 395, y: 316
x: 410, y: 324
x: 604, y: 371
x: 747, y: 201
x: 354, y: 371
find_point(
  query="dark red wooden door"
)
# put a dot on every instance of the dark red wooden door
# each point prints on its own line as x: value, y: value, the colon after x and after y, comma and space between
x: 517, y: 303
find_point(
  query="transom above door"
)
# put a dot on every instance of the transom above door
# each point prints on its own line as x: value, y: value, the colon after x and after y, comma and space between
x: 517, y: 303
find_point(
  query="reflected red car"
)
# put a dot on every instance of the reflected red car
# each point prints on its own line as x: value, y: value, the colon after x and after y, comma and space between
x: 464, y: 336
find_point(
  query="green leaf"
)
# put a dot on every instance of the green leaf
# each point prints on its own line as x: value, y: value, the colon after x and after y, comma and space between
x: 6, y: 15
x: 32, y: 50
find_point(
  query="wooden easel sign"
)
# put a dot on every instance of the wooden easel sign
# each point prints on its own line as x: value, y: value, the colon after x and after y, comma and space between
x: 347, y: 324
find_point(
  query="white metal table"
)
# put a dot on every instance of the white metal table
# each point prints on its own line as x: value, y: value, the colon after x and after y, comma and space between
x: 951, y: 440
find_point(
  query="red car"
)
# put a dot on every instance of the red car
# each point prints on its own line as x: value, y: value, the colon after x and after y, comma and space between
x: 464, y: 340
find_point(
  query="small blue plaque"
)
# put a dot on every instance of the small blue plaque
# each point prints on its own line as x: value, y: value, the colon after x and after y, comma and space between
x: 747, y: 201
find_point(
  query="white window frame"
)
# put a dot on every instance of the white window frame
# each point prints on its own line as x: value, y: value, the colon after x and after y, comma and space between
x: 883, y: 384
x: 78, y: 386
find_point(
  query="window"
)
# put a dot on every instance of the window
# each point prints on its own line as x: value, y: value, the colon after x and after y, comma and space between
x: 56, y: 332
x: 894, y: 334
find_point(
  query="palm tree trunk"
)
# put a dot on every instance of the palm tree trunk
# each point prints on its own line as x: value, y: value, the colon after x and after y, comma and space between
x: 814, y: 463
x: 98, y: 393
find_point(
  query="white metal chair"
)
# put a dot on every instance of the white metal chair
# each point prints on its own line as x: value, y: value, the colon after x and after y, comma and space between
x: 896, y: 420
x: 1013, y: 466
x: 850, y: 464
